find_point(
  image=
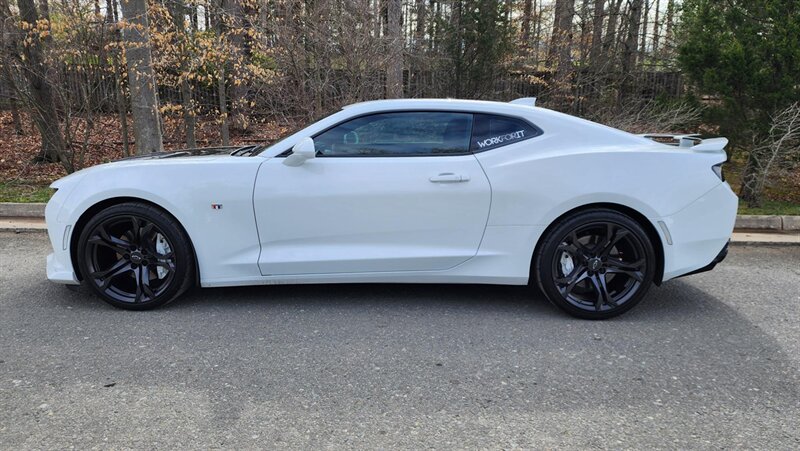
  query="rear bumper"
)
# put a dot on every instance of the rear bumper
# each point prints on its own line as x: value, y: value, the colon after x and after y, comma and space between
x: 721, y: 256
x: 699, y: 231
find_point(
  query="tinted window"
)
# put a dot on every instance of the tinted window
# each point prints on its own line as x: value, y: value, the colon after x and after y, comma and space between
x: 496, y: 131
x: 398, y: 134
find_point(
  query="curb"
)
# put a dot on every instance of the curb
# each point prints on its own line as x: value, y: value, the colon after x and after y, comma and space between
x: 21, y: 210
x: 749, y: 222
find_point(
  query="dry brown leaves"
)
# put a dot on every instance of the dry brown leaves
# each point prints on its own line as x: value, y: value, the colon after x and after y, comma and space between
x: 104, y: 144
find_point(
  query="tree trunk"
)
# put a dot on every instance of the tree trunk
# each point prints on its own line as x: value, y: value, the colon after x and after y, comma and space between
x: 240, y: 40
x: 561, y: 40
x: 527, y: 7
x: 596, y: 50
x: 394, y: 71
x: 537, y: 38
x: 415, y: 73
x: 611, y: 29
x: 749, y: 188
x: 656, y: 27
x: 585, y: 37
x: 224, y: 130
x: 222, y: 93
x: 631, y: 40
x: 645, y: 24
x: 141, y: 81
x: 455, y: 24
x: 560, y: 53
x: 112, y: 17
x: 43, y: 101
x: 670, y: 23
x: 178, y: 10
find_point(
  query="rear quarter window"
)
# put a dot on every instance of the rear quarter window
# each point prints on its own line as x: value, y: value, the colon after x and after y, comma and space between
x: 492, y: 131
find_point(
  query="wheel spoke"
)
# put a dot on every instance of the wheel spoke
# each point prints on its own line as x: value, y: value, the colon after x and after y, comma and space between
x: 612, y: 239
x: 138, y: 273
x: 625, y: 266
x: 147, y: 239
x: 102, y: 238
x: 603, y: 296
x: 146, y: 283
x: 136, y: 230
x: 165, y: 263
x: 578, y: 275
x: 105, y: 276
x: 579, y: 247
x: 636, y: 275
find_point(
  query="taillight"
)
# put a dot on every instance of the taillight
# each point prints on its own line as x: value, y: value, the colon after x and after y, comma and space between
x: 717, y: 168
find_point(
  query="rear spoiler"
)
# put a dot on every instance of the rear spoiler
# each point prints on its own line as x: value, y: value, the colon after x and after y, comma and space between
x: 697, y: 144
x: 527, y: 101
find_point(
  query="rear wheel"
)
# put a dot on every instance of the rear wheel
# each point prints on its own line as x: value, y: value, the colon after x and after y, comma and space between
x: 595, y: 264
x: 135, y: 256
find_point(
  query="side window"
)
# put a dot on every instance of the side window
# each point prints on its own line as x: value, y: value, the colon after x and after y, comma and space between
x: 492, y: 131
x: 398, y: 134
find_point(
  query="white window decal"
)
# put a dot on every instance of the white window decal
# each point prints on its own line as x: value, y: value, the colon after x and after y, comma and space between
x: 502, y: 138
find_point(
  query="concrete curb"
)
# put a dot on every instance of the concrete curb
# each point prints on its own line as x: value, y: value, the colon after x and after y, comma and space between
x: 21, y: 210
x: 759, y: 222
x: 747, y: 222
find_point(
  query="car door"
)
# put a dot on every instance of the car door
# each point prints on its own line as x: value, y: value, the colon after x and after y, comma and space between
x: 395, y: 191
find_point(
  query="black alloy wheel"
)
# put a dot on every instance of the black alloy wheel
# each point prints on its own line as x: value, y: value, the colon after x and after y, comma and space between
x: 135, y: 256
x: 596, y: 264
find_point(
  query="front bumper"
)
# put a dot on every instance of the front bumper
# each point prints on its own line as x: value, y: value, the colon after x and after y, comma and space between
x: 59, y: 262
x: 60, y: 273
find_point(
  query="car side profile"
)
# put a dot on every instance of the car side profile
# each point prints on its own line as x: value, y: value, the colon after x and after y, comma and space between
x: 404, y: 191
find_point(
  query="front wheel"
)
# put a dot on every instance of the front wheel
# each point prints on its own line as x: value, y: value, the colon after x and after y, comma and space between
x: 135, y: 256
x: 595, y: 264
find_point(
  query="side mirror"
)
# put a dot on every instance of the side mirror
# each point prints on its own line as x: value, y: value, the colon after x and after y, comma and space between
x: 302, y: 151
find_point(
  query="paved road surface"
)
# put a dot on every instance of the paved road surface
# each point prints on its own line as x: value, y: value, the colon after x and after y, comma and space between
x: 708, y: 361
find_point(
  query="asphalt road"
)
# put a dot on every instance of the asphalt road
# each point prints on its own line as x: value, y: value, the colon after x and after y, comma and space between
x: 709, y: 361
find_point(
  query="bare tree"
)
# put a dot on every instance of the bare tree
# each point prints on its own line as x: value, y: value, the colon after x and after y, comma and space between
x: 782, y: 144
x: 178, y: 11
x: 645, y: 24
x: 394, y: 72
x: 656, y: 27
x: 561, y: 40
x: 597, y: 32
x: 526, y: 22
x: 630, y: 50
x: 42, y: 100
x: 560, y: 51
x: 142, y: 83
x: 650, y: 117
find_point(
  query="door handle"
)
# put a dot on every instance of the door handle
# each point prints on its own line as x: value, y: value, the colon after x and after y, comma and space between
x: 449, y: 177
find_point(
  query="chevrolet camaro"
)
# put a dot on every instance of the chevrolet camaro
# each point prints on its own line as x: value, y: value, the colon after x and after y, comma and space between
x: 404, y: 191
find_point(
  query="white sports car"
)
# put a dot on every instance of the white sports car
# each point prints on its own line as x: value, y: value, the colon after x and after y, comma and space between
x: 404, y: 191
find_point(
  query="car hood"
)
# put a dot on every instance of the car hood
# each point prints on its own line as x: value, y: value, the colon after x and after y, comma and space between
x: 172, y: 156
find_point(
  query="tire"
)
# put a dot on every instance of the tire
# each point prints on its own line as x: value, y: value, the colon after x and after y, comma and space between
x: 595, y: 264
x: 135, y: 256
